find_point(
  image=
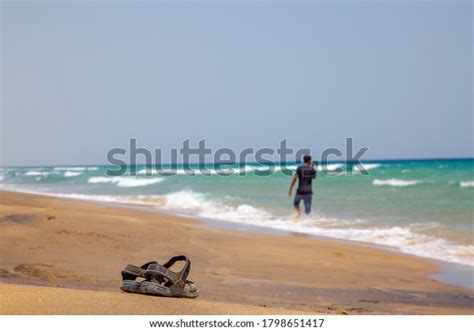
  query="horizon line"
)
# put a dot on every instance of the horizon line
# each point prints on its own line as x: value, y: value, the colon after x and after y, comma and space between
x: 289, y: 162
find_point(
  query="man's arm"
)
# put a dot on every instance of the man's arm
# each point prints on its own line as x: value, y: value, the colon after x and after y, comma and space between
x: 314, y: 172
x: 293, y: 181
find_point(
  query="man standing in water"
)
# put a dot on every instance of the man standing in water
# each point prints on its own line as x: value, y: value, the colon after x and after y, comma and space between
x: 305, y: 174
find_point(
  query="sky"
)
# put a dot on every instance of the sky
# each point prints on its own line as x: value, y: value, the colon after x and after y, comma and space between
x: 80, y: 78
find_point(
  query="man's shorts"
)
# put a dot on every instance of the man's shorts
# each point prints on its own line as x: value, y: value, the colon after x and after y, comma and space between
x: 307, y: 198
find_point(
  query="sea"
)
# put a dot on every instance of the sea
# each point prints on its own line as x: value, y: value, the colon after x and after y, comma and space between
x: 418, y: 207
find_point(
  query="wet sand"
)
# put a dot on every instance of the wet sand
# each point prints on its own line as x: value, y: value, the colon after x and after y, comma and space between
x: 61, y: 256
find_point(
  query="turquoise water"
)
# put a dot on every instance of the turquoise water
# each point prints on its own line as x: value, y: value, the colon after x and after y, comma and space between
x: 423, y: 208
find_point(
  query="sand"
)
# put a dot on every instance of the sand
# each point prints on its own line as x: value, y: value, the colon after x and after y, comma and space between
x: 61, y: 256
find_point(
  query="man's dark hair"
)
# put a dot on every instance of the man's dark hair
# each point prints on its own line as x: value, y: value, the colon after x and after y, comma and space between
x: 306, y: 158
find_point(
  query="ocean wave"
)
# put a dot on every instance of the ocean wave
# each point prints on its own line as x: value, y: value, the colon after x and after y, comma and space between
x: 366, y: 166
x: 405, y: 239
x: 76, y: 168
x: 191, y: 172
x: 250, y: 168
x: 466, y: 183
x: 36, y: 173
x: 265, y: 168
x: 199, y: 204
x: 148, y: 172
x: 330, y: 167
x: 222, y: 171
x: 124, y: 181
x: 70, y: 168
x: 292, y: 167
x: 72, y: 173
x: 395, y: 182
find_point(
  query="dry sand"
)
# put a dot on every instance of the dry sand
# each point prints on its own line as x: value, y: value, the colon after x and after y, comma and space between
x: 61, y: 256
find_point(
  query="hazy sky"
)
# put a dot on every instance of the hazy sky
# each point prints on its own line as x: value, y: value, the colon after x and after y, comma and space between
x: 81, y: 78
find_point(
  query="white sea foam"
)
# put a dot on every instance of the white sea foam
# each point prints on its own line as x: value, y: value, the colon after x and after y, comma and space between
x: 191, y: 172
x: 188, y: 200
x: 265, y: 168
x: 124, y: 181
x: 147, y: 172
x: 222, y: 171
x: 76, y: 168
x: 35, y: 173
x: 365, y: 166
x: 197, y: 203
x: 72, y: 173
x: 70, y: 168
x: 466, y: 183
x: 330, y: 167
x: 249, y: 168
x: 395, y: 182
x: 287, y: 167
x: 406, y: 239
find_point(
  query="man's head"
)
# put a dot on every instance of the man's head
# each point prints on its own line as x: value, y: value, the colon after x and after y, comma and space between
x: 307, y: 159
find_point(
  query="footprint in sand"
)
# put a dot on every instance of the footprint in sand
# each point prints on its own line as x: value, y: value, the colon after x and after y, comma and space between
x: 4, y: 273
x: 369, y: 301
x: 19, y: 218
x: 44, y: 272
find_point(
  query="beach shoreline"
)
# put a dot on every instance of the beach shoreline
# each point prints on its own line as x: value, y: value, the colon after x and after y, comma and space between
x: 448, y: 272
x: 52, y: 246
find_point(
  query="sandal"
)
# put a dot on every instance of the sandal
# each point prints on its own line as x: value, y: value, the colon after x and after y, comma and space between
x: 164, y: 282
x: 129, y: 275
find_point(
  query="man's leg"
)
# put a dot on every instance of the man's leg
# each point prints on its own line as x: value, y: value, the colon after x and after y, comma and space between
x: 307, y: 203
x: 296, y: 204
